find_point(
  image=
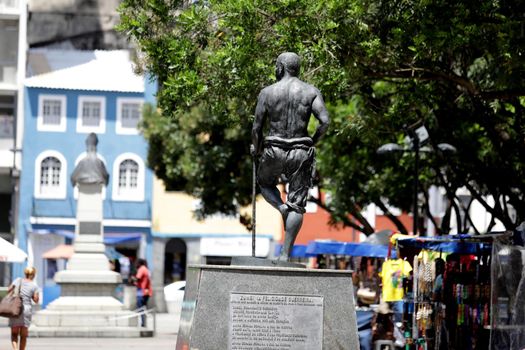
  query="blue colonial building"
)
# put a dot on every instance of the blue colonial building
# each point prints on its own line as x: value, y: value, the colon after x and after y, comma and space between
x: 69, y: 94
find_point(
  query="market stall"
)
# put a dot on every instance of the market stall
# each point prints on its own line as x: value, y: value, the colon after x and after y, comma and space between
x: 447, y: 304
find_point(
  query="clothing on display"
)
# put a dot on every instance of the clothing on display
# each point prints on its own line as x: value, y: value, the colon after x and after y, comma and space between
x: 392, y: 274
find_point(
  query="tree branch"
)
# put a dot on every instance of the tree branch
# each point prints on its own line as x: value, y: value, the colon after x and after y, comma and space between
x: 429, y: 214
x: 499, y: 206
x: 445, y: 223
x: 502, y: 94
x: 505, y: 206
x: 427, y: 74
x: 458, y: 215
x: 344, y: 219
x: 399, y: 225
x: 467, y: 215
x: 491, y: 223
x: 437, y: 75
x: 356, y: 213
x: 480, y: 199
x: 451, y: 195
x: 497, y: 211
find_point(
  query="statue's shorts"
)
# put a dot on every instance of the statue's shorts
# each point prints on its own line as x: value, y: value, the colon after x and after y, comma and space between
x: 294, y: 160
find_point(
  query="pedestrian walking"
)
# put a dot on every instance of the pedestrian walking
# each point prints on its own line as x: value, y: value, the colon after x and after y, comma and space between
x: 144, y: 291
x: 29, y: 294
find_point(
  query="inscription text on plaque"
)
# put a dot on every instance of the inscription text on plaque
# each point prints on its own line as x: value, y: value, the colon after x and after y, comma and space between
x: 275, y: 322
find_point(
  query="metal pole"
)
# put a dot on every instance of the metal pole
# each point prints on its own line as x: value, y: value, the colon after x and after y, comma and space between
x: 416, y: 174
x: 254, y: 193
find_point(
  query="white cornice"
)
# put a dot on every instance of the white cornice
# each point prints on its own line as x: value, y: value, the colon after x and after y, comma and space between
x: 42, y: 220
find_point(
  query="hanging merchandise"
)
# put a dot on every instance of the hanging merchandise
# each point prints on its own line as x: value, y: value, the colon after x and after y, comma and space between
x: 467, y: 294
x: 392, y: 273
x: 425, y: 275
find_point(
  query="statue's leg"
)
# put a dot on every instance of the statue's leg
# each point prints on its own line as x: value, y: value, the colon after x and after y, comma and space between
x: 270, y: 168
x: 273, y: 196
x: 299, y: 170
x: 293, y: 224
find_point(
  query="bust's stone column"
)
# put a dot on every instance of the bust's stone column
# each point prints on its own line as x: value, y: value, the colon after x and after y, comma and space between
x: 88, y: 272
x: 89, y: 239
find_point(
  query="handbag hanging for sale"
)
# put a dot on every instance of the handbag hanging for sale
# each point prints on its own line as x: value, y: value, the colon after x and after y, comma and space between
x: 11, y: 304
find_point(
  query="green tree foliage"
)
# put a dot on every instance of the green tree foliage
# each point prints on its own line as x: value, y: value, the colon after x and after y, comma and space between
x: 381, y: 65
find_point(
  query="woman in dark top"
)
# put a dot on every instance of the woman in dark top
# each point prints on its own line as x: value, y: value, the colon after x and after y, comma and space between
x: 29, y: 293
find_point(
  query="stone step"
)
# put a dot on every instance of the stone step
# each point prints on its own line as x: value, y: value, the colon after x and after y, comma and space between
x: 88, y: 303
x: 89, y: 332
x: 98, y: 318
x: 87, y: 275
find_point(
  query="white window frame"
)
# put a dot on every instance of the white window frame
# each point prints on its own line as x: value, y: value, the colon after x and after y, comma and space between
x: 40, y: 118
x: 79, y: 158
x: 62, y: 188
x: 119, y: 129
x: 138, y: 196
x: 101, y: 128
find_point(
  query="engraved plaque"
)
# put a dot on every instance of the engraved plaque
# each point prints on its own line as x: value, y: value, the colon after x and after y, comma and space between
x: 89, y: 227
x: 275, y: 322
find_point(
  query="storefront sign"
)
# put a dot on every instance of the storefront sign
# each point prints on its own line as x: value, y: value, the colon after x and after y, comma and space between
x: 235, y: 246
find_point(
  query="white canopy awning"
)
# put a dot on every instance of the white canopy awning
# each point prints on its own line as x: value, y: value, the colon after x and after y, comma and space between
x: 11, y: 253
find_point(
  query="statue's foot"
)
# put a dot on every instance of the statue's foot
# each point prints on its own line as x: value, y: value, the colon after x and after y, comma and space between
x: 283, y: 258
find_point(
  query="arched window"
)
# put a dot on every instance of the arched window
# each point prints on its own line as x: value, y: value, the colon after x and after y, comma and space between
x: 128, y: 178
x: 50, y: 175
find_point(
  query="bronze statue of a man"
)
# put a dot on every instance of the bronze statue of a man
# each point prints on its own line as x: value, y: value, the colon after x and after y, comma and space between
x: 288, y: 150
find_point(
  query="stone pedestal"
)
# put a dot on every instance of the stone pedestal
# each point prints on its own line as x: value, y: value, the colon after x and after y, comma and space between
x: 86, y: 307
x: 273, y: 308
x: 87, y: 272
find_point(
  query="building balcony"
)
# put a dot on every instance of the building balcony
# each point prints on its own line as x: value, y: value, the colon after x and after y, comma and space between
x: 113, y: 210
x: 9, y: 35
x: 10, y: 8
x: 8, y: 77
x: 7, y: 133
x: 7, y: 128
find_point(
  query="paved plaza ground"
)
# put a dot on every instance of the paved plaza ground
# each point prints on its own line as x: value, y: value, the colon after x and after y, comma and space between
x: 166, y: 336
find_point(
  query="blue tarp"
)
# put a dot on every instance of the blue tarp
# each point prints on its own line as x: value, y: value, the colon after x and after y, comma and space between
x: 460, y: 244
x: 321, y: 247
x: 338, y: 248
x: 347, y: 248
x: 369, y: 250
x: 109, y: 237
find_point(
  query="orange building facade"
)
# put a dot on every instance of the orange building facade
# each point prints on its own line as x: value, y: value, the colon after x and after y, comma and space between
x: 316, y: 226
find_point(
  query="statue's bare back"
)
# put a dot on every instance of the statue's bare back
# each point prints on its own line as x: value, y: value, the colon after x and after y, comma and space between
x: 289, y: 106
